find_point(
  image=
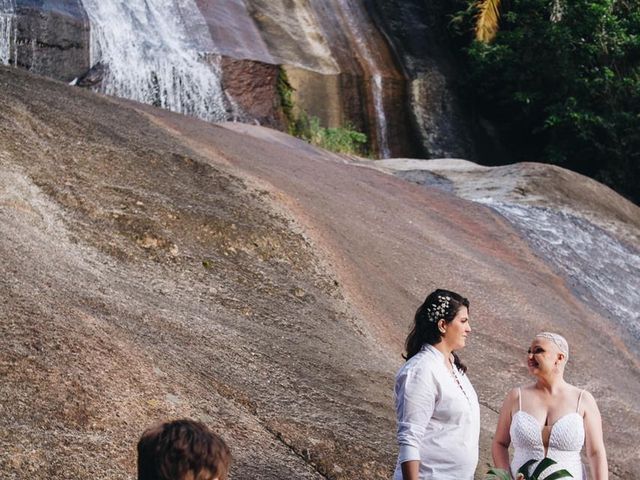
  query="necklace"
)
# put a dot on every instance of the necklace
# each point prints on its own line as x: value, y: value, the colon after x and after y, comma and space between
x: 457, y: 380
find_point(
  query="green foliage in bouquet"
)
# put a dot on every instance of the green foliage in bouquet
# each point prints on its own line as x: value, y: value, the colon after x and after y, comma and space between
x: 497, y: 474
x: 501, y: 474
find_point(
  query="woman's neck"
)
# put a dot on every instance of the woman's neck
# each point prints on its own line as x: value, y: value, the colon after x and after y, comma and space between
x: 446, y: 351
x: 550, y: 383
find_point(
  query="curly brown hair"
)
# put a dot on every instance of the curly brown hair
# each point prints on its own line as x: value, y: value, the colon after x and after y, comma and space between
x: 182, y: 450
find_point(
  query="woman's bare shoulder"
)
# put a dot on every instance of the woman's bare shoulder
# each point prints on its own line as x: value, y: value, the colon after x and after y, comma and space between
x: 579, y: 392
x: 511, y: 398
x: 587, y: 400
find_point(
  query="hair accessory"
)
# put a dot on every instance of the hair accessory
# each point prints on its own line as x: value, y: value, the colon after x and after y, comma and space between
x: 558, y: 340
x: 436, y: 311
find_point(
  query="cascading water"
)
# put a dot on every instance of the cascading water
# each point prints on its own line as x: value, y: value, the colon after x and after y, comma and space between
x: 354, y: 16
x: 381, y: 119
x: 600, y: 268
x: 158, y: 52
x: 8, y: 31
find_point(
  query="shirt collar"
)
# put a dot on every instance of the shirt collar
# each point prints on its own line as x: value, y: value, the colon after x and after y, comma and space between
x: 432, y: 349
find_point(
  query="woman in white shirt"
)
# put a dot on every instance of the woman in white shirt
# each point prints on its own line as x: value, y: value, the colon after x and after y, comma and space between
x: 437, y: 408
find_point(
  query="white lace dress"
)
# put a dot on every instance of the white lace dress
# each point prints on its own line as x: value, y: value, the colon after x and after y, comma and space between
x: 565, y: 442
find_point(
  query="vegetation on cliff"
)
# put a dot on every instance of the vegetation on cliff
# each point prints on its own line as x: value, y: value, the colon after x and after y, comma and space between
x: 561, y: 82
x: 343, y: 139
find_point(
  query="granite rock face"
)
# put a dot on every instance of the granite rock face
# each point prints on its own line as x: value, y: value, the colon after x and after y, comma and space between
x: 379, y: 65
x: 416, y: 30
x: 253, y: 87
x: 157, y: 266
x: 52, y: 38
x: 331, y: 51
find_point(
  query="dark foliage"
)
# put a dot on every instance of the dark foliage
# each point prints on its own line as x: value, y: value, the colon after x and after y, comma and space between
x: 563, y: 91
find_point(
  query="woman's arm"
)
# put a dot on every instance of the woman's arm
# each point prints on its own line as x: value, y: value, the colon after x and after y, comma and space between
x: 502, y: 438
x: 411, y: 470
x: 415, y: 401
x: 594, y: 442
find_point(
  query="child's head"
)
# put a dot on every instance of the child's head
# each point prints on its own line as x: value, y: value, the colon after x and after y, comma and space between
x: 182, y: 450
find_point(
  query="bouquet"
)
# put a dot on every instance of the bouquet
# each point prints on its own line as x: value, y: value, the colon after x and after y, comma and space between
x: 523, y: 472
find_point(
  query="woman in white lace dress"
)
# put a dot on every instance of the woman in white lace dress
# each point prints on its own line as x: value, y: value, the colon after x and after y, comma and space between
x: 550, y: 418
x: 437, y: 408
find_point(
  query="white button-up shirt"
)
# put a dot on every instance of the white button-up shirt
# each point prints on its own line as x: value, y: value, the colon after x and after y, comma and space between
x: 438, y: 418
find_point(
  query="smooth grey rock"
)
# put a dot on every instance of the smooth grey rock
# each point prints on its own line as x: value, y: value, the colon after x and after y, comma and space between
x: 52, y: 38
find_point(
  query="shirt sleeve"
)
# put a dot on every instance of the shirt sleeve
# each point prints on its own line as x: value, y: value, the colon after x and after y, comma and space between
x: 415, y: 396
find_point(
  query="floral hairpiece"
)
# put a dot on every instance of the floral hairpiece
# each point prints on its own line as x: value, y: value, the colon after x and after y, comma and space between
x: 436, y: 311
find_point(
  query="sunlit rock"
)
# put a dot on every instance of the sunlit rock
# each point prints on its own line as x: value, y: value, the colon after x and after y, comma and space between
x: 158, y: 266
x: 585, y: 230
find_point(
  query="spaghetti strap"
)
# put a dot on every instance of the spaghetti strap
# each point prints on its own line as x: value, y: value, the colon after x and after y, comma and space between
x: 519, y: 399
x: 579, y: 400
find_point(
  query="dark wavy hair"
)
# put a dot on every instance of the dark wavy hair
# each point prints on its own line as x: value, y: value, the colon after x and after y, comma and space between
x: 426, y: 331
x: 182, y: 450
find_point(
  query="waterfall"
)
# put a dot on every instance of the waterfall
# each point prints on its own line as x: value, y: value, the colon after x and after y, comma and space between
x: 383, y: 143
x: 8, y: 32
x: 354, y: 16
x: 158, y: 52
x: 601, y: 269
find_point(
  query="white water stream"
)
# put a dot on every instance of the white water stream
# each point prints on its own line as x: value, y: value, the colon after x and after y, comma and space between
x: 158, y: 52
x: 600, y: 268
x: 8, y: 32
x: 354, y: 16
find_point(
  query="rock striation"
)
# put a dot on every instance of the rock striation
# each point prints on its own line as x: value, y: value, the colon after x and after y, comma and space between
x: 417, y: 33
x: 340, y: 66
x: 157, y: 266
x: 331, y: 52
x: 381, y: 66
x: 50, y: 37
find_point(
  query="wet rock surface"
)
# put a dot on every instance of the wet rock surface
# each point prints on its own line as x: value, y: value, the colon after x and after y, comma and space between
x: 334, y: 47
x: 52, y: 38
x: 253, y: 87
x: 417, y: 32
x: 156, y: 266
x: 590, y: 234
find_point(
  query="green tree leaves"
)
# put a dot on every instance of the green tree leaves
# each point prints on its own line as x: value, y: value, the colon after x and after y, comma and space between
x: 562, y: 87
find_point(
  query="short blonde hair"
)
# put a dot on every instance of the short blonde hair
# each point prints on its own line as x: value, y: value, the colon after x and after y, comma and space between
x: 558, y: 340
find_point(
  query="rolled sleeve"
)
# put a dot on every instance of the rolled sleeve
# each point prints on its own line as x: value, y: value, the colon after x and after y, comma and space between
x: 415, y: 400
x: 408, y: 453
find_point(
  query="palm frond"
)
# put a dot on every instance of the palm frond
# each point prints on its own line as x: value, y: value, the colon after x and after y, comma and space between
x: 542, y: 466
x: 487, y: 20
x: 558, y: 475
x: 524, y: 469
